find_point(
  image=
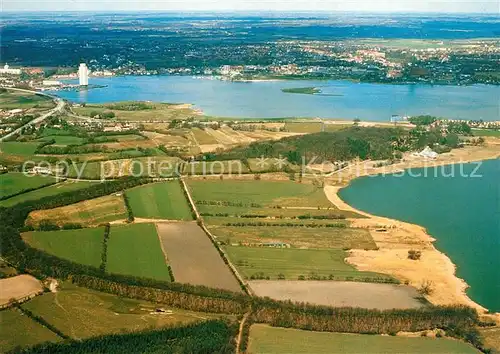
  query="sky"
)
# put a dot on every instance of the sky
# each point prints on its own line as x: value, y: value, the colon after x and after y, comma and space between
x: 448, y: 6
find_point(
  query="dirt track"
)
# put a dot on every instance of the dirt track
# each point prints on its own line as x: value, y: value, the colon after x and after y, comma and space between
x: 18, y: 288
x: 339, y: 293
x: 193, y: 257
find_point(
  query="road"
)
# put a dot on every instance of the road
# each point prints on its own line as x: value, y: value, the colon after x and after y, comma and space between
x: 59, y: 107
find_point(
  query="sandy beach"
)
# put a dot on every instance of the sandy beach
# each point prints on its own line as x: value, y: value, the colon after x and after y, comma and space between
x: 395, y: 238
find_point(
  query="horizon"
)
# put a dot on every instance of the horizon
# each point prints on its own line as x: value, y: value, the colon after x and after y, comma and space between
x: 367, y: 12
x: 487, y: 7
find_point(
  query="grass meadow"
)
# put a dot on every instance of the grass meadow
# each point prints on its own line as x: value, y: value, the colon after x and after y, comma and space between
x: 45, y: 192
x: 298, y: 237
x: 486, y: 132
x: 24, y: 100
x: 18, y: 328
x: 289, y: 263
x: 154, y: 166
x: 163, y: 200
x: 64, y: 139
x: 135, y: 250
x: 13, y: 183
x: 146, y: 111
x: 232, y: 167
x: 18, y: 148
x: 84, y: 313
x: 266, y: 339
x: 81, y: 246
x: 262, y: 193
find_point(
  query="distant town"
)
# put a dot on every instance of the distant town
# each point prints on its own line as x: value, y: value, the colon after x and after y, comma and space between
x: 459, y: 62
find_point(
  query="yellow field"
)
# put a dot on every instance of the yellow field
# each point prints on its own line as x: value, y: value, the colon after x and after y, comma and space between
x: 90, y: 212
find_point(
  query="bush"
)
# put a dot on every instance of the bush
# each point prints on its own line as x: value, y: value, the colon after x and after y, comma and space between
x: 108, y: 115
x: 47, y: 225
x: 72, y: 226
x: 414, y: 255
x: 426, y: 288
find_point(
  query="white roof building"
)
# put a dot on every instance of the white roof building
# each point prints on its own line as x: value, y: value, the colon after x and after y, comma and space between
x: 51, y: 83
x: 7, y: 70
x: 427, y: 153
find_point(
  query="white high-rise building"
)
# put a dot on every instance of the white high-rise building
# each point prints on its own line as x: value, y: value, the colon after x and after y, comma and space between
x: 83, y: 75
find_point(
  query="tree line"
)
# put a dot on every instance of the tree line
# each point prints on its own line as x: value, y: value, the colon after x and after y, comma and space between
x: 212, y: 336
x: 330, y: 216
x: 283, y: 224
x: 104, y: 253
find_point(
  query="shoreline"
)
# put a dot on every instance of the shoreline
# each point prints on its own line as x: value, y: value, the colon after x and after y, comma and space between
x: 399, y: 237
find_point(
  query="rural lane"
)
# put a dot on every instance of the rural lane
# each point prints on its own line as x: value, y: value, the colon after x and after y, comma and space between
x: 59, y: 107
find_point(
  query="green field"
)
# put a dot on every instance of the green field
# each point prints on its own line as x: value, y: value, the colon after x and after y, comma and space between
x: 49, y: 131
x: 291, y: 263
x: 131, y: 110
x: 135, y: 250
x: 64, y: 139
x: 120, y: 137
x: 262, y: 193
x: 264, y: 222
x: 85, y: 170
x: 232, y: 167
x: 153, y: 166
x: 83, y: 313
x: 486, y: 132
x: 24, y: 100
x: 280, y: 213
x: 266, y: 339
x: 17, y: 148
x: 81, y: 246
x: 271, y: 165
x: 299, y: 237
x: 13, y: 183
x: 20, y: 330
x: 159, y: 201
x: 45, y: 192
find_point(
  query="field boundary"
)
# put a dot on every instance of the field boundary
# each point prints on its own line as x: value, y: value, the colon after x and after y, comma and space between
x: 104, y: 254
x: 222, y: 253
x: 171, y: 273
x: 130, y: 213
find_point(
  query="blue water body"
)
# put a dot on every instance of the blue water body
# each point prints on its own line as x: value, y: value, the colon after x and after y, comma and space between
x: 343, y: 99
x: 461, y: 212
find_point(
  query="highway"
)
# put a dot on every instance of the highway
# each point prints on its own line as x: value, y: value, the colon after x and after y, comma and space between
x: 59, y: 107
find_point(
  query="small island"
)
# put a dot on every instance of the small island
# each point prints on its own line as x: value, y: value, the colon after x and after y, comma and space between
x: 302, y: 90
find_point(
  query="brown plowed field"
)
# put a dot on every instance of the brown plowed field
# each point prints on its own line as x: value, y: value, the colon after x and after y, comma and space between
x: 339, y: 293
x: 193, y: 257
x: 18, y: 288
